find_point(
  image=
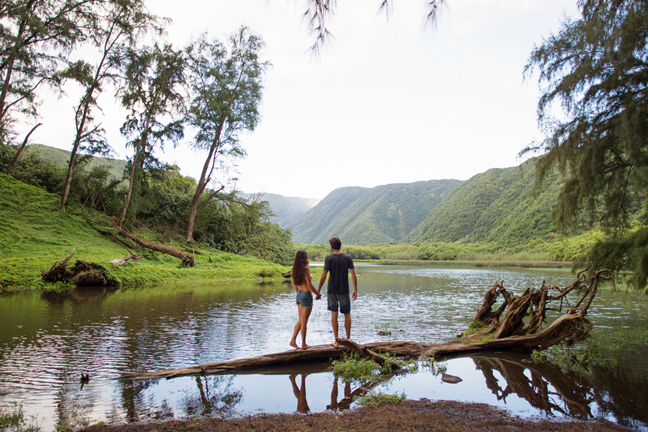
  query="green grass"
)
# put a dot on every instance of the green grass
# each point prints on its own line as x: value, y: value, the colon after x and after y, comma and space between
x: 14, y: 421
x: 372, y: 400
x: 34, y: 235
x: 353, y: 368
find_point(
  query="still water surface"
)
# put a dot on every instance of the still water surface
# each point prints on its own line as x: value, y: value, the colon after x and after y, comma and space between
x: 46, y: 342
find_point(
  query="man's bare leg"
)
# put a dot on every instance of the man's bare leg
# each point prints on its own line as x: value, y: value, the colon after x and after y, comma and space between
x: 347, y: 324
x: 334, y: 324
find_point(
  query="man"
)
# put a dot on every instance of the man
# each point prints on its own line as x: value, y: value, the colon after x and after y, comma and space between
x: 337, y: 293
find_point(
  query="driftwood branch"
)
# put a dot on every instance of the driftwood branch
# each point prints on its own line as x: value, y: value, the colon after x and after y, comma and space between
x: 123, y: 260
x: 322, y: 353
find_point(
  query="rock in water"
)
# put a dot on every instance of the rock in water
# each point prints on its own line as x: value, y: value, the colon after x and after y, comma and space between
x: 450, y: 379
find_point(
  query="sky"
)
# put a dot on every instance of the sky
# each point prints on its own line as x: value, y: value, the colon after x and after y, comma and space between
x: 386, y: 101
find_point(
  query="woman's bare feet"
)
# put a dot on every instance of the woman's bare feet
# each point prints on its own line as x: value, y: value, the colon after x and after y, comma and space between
x: 293, y: 344
x: 305, y: 346
x: 335, y: 344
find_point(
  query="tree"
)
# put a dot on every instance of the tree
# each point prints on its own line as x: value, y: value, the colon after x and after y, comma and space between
x: 319, y: 12
x: 35, y: 37
x: 595, y: 70
x: 118, y: 22
x: 153, y: 77
x: 226, y: 84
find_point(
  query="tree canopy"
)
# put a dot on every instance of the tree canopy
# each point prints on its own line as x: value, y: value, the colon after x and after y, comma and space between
x: 594, y: 109
x: 226, y: 87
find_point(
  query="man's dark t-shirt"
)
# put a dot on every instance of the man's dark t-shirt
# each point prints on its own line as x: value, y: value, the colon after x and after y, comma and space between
x: 338, y: 266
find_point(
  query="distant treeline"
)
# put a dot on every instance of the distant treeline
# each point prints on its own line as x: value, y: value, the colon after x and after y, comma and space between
x: 549, y: 248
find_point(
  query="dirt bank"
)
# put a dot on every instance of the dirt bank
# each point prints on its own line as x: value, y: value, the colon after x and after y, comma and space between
x: 409, y: 415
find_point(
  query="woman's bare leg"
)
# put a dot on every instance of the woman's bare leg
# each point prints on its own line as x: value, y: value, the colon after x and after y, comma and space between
x: 293, y: 340
x: 304, y: 314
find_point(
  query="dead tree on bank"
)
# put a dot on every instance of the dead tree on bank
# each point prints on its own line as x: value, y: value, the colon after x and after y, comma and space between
x: 515, y: 326
x: 82, y: 273
x: 187, y: 260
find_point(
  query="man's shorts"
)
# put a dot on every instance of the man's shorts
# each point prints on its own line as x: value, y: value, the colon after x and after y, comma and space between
x: 304, y: 298
x: 339, y: 301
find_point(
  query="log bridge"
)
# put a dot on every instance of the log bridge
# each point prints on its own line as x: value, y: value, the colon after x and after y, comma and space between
x: 515, y: 326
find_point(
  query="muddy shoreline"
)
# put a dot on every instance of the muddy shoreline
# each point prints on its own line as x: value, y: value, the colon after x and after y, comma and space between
x: 410, y: 415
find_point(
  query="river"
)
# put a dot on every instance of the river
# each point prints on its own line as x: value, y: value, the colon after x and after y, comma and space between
x: 48, y: 341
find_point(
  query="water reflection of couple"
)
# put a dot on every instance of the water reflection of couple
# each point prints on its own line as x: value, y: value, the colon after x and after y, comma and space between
x: 302, y: 403
x: 337, y: 293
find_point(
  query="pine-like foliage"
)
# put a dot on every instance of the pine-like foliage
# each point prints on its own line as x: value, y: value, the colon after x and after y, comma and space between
x: 595, y: 112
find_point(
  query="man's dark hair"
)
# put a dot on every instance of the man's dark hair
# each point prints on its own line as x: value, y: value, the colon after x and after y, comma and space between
x: 336, y: 243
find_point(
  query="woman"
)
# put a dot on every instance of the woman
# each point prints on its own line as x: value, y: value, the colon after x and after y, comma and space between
x: 301, y: 279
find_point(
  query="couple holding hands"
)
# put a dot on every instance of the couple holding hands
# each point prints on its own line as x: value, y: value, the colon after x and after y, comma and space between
x: 337, y: 293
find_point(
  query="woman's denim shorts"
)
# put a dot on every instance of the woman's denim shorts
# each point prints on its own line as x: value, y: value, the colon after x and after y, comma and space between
x: 304, y: 298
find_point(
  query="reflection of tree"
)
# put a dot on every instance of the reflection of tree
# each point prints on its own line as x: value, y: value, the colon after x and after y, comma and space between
x: 623, y: 393
x: 132, y: 397
x: 548, y: 388
x: 215, y: 396
x: 81, y: 295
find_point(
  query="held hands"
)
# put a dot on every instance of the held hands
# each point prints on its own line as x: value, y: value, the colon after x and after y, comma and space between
x: 318, y: 296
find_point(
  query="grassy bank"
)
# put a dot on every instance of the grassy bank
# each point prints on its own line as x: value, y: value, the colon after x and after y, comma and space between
x: 34, y: 235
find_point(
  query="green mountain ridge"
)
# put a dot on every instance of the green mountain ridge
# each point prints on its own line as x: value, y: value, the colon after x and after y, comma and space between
x: 62, y: 157
x: 497, y: 205
x: 287, y: 209
x: 383, y: 214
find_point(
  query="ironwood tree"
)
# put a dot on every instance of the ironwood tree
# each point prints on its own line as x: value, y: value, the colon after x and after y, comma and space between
x: 594, y: 74
x: 153, y: 80
x: 118, y: 24
x: 226, y: 87
x: 318, y: 13
x: 36, y: 37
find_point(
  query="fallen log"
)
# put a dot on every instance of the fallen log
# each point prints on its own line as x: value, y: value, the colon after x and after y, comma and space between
x: 187, y: 260
x: 322, y: 353
x: 568, y: 328
x: 123, y: 260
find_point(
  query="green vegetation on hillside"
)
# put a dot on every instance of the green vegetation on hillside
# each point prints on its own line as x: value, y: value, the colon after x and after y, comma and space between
x: 34, y: 235
x: 364, y: 216
x: 495, y: 206
x: 287, y: 210
x: 538, y: 251
x: 115, y: 167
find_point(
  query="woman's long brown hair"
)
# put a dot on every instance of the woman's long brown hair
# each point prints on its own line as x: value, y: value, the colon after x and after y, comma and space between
x: 300, y: 263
